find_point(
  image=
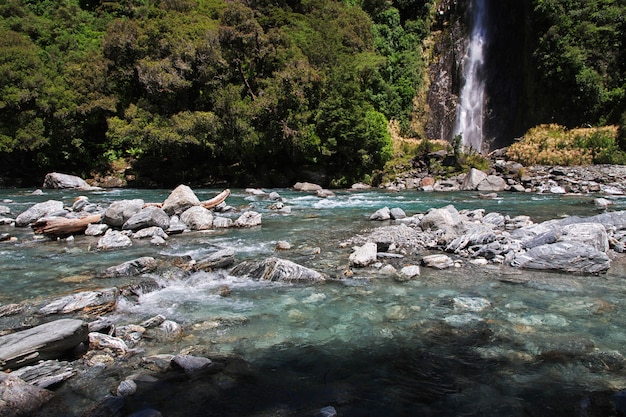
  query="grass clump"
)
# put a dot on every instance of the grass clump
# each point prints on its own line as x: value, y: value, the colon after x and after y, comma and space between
x: 553, y: 144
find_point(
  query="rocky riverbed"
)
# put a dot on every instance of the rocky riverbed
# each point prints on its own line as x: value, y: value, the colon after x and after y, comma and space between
x: 51, y: 350
x: 505, y: 175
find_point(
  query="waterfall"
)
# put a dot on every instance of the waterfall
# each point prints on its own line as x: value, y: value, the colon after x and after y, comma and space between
x: 469, y: 116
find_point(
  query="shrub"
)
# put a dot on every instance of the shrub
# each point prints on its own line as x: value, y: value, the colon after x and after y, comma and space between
x: 555, y: 145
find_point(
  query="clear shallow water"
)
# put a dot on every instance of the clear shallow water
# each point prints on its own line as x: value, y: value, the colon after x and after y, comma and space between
x: 454, y: 342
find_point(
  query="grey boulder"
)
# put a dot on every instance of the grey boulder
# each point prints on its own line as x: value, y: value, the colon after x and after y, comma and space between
x: 46, y: 341
x: 180, y: 200
x: 148, y: 217
x: 564, y: 256
x: 57, y: 180
x: 48, y: 208
x: 275, y: 269
x: 120, y: 211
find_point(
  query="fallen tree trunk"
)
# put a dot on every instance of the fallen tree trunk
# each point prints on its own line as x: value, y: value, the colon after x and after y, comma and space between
x: 55, y: 227
x: 217, y: 200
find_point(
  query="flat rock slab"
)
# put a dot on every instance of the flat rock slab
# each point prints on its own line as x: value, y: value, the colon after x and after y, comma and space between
x: 564, y: 256
x: 89, y: 301
x: 46, y: 341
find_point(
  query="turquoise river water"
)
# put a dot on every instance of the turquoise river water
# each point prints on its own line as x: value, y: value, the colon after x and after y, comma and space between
x: 457, y: 342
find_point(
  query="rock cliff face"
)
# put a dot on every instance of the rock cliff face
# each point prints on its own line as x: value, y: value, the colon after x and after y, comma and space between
x: 506, y: 61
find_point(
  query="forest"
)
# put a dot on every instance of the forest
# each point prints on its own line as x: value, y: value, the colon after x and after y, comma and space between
x: 254, y: 92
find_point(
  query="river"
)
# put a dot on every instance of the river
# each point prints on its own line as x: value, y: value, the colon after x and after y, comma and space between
x: 463, y: 341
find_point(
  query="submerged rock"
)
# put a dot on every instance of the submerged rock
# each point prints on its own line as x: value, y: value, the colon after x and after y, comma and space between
x: 17, y: 398
x: 194, y: 366
x: 45, y: 373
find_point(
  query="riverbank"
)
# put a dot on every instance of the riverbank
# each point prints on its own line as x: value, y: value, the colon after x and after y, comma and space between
x: 506, y: 175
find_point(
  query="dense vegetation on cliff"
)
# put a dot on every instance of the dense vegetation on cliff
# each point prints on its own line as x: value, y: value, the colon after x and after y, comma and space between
x: 201, y: 91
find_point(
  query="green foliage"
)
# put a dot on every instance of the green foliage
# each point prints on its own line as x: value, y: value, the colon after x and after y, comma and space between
x: 579, y: 57
x: 261, y: 91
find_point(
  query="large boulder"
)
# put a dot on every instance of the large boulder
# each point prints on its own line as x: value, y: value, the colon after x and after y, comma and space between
x: 197, y: 218
x: 473, y: 178
x: 564, y: 256
x: 148, y: 217
x: 492, y: 183
x: 275, y: 269
x: 48, y: 208
x: 446, y: 222
x: 57, y: 180
x: 441, y: 219
x: 120, y: 211
x: 180, y: 200
x: 592, y: 234
x: 47, y: 341
x: 306, y: 186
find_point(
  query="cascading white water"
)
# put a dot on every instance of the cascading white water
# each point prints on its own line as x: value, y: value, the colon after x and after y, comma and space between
x: 469, y: 116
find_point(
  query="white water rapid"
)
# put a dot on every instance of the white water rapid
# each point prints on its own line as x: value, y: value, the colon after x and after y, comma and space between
x: 469, y: 116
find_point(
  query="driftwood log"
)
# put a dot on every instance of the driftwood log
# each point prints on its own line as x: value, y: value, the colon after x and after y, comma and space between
x: 60, y: 227
x: 216, y: 201
x: 55, y: 227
